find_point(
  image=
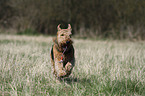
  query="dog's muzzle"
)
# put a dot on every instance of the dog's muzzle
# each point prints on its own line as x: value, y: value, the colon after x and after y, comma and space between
x: 67, y: 42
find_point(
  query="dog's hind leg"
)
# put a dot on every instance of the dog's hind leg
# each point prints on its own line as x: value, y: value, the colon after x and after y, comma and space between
x: 52, y: 61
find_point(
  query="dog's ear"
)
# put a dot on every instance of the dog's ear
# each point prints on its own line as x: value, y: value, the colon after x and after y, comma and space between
x: 69, y: 27
x: 58, y: 27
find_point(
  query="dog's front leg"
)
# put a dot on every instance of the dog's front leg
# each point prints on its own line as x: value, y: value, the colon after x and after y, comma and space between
x: 60, y: 69
x: 68, y: 67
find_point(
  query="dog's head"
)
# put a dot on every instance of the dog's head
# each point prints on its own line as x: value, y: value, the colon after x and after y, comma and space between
x: 64, y: 36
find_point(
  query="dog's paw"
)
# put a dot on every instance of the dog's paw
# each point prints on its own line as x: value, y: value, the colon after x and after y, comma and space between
x: 68, y: 66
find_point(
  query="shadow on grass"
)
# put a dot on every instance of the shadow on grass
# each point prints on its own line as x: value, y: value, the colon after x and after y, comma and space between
x: 72, y: 80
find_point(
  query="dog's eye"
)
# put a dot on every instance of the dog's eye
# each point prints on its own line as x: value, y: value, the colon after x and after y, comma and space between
x: 62, y: 35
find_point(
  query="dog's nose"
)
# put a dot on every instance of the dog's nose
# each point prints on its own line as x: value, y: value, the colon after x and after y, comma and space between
x: 67, y: 42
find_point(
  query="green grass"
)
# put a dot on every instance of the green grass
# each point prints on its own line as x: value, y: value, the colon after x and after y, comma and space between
x: 102, y: 68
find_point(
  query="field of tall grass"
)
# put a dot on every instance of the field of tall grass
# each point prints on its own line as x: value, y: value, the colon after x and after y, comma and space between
x: 103, y: 68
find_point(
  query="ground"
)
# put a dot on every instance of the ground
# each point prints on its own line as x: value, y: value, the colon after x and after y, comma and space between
x: 103, y: 67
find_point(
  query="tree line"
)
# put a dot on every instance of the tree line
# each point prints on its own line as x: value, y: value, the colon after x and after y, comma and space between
x: 119, y: 19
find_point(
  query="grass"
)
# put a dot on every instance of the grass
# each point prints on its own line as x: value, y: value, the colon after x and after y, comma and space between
x: 102, y: 68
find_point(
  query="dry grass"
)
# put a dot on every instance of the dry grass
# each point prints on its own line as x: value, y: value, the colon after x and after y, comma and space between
x: 102, y: 68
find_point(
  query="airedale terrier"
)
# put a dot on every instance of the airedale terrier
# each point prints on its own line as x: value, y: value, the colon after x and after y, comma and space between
x: 62, y: 53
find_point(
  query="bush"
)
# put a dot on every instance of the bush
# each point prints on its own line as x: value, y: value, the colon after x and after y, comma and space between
x: 104, y: 18
x: 28, y: 32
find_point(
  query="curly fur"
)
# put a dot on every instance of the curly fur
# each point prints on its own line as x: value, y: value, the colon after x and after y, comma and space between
x: 63, y: 39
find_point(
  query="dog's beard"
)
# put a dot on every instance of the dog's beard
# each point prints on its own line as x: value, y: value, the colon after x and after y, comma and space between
x: 65, y: 43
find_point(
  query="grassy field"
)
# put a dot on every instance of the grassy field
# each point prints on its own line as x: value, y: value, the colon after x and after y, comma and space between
x: 105, y: 68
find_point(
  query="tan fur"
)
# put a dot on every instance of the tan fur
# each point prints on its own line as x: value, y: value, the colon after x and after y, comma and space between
x: 62, y: 69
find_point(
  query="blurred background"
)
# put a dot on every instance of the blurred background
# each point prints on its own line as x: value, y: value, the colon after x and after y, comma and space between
x: 117, y: 19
